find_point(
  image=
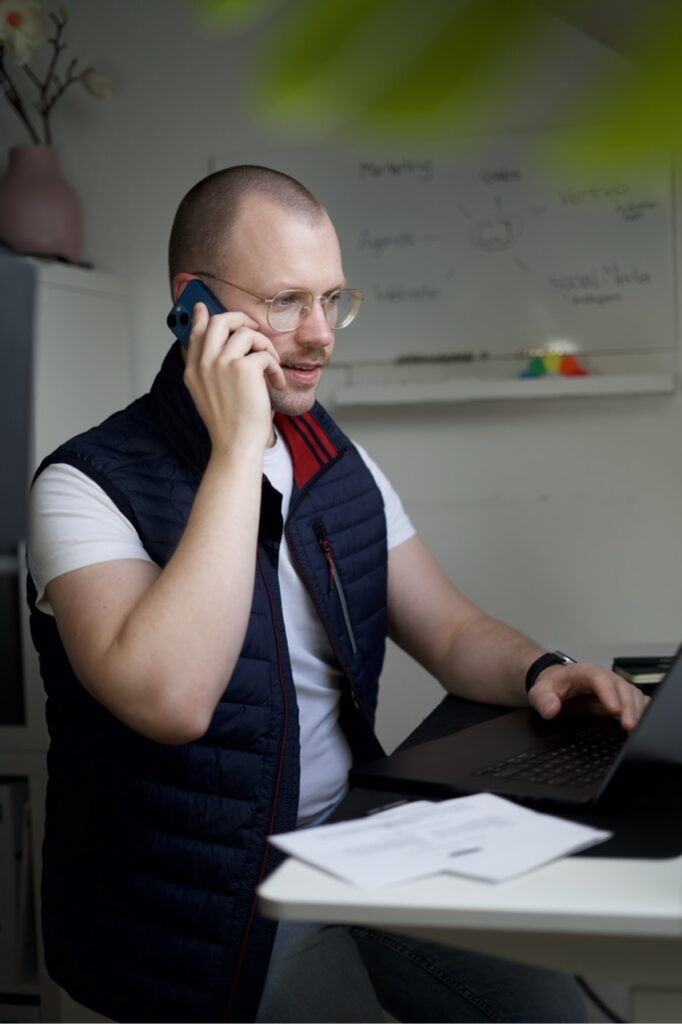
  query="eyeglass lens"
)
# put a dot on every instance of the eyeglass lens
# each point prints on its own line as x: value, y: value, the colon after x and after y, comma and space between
x: 288, y: 309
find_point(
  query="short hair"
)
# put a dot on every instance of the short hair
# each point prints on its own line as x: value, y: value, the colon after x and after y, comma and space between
x: 207, y: 214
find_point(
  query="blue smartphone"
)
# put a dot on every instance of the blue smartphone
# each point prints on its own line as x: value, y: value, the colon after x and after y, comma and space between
x: 180, y: 317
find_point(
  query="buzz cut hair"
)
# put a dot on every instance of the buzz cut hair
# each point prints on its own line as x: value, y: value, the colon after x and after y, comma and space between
x: 200, y: 234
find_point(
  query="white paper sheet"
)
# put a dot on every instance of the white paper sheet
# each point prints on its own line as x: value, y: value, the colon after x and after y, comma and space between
x: 480, y: 836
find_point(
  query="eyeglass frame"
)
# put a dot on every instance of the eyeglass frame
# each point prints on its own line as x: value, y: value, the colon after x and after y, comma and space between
x: 323, y: 299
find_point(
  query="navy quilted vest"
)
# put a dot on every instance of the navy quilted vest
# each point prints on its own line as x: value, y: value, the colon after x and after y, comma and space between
x: 152, y: 852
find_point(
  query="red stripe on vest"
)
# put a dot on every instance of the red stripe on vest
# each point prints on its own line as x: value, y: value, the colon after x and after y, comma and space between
x: 316, y: 436
x: 308, y: 443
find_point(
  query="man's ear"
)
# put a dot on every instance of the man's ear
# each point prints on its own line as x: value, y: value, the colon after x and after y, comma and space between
x: 180, y: 282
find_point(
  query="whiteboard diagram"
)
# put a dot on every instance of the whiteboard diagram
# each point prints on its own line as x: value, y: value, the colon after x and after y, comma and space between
x: 484, y: 253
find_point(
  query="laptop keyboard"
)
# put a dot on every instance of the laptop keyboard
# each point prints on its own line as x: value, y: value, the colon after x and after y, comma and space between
x: 576, y: 760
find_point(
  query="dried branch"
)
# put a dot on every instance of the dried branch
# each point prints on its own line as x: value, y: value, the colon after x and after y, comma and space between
x: 59, y: 91
x: 51, y: 86
x: 8, y: 89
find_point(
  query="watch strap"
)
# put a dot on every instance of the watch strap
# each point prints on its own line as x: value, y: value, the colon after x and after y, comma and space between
x: 544, y: 661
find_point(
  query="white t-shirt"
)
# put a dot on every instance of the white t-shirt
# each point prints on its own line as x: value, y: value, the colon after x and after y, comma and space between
x: 74, y: 523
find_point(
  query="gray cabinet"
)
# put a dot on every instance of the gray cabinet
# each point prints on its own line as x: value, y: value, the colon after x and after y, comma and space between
x: 77, y: 326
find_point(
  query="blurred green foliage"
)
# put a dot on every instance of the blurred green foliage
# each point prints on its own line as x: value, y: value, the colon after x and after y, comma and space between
x: 411, y: 70
x: 231, y: 13
x: 639, y: 114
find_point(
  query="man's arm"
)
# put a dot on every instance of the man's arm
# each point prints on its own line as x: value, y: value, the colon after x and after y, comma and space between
x: 157, y: 647
x: 477, y: 657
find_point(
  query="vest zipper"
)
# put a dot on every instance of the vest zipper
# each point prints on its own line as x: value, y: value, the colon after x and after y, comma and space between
x: 334, y: 580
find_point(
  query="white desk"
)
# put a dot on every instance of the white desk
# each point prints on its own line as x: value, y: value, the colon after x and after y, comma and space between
x: 618, y: 919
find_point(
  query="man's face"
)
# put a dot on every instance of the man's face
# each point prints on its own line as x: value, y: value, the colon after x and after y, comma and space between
x: 272, y: 249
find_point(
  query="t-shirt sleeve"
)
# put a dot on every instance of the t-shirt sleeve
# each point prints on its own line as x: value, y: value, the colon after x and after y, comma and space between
x: 398, y: 524
x: 74, y: 523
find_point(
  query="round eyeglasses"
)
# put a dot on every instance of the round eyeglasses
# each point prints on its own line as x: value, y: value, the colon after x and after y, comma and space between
x: 289, y: 308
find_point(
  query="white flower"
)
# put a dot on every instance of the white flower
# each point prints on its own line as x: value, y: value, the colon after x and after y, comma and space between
x: 23, y: 27
x: 99, y: 87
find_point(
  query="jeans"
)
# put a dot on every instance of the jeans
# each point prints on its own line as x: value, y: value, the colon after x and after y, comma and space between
x: 338, y: 973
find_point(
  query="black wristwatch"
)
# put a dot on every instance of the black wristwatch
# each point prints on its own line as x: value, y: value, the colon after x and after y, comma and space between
x: 544, y: 661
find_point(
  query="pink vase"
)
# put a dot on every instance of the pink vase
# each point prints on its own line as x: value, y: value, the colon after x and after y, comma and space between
x: 39, y: 211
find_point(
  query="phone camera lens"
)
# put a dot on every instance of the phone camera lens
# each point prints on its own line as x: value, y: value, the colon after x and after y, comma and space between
x: 184, y: 319
x: 171, y: 320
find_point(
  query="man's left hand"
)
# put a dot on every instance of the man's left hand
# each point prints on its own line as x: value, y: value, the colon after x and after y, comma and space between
x: 586, y: 688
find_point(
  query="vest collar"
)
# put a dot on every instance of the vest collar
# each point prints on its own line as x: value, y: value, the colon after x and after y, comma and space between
x: 309, y: 442
x: 310, y: 445
x: 175, y: 411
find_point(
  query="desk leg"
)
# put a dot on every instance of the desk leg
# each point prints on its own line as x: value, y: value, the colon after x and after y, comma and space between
x: 656, y: 1004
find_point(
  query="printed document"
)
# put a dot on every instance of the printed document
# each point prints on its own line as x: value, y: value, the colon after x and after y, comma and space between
x: 482, y: 836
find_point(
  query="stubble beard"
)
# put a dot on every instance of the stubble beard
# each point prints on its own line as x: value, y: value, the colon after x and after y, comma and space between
x: 296, y: 400
x: 292, y: 402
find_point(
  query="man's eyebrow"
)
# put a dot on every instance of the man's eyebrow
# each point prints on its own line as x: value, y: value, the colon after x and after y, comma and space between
x: 302, y: 288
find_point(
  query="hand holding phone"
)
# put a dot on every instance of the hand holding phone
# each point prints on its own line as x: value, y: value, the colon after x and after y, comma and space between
x: 180, y: 317
x: 226, y: 400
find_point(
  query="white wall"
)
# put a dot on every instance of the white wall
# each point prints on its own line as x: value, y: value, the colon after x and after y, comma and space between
x: 561, y: 517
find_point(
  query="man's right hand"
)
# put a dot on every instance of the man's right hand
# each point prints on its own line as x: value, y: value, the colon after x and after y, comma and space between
x: 157, y: 647
x: 228, y: 363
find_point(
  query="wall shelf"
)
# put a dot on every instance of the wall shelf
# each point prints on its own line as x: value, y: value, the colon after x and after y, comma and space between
x: 470, y: 389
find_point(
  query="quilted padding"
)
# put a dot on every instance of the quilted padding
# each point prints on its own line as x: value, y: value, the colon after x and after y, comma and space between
x: 153, y: 852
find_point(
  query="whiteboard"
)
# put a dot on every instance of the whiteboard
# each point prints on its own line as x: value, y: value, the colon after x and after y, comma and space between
x: 483, y: 252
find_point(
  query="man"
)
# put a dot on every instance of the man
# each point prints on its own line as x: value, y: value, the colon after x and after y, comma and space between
x: 214, y: 572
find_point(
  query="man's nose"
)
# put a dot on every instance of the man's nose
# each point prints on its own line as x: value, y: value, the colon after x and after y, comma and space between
x: 315, y: 330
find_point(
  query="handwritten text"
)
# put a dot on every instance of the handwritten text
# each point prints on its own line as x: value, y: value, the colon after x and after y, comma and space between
x: 421, y: 170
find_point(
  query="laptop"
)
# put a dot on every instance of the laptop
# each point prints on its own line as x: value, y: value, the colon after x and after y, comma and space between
x: 571, y: 759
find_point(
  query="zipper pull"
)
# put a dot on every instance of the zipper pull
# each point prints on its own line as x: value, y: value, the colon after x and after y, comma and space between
x: 327, y: 552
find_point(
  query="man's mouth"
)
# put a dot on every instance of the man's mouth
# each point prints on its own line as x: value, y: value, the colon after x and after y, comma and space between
x: 307, y: 373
